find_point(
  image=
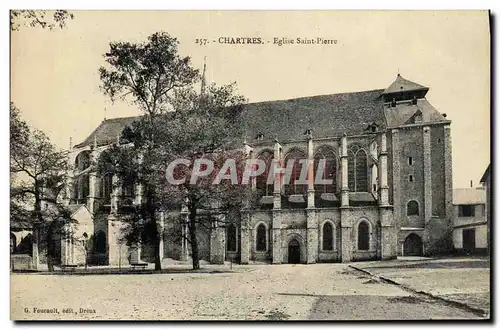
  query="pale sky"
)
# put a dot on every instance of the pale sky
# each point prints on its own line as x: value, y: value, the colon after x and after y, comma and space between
x: 55, y: 80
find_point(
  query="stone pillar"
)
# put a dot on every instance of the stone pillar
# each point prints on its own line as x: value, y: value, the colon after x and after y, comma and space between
x: 115, y: 195
x: 310, y: 173
x: 161, y: 233
x: 345, y: 172
x: 276, y: 230
x: 448, y: 183
x: 117, y: 250
x: 277, y: 176
x: 245, y: 238
x: 396, y: 178
x: 184, y: 233
x: 347, y: 240
x: 312, y: 236
x: 35, y: 242
x: 218, y: 242
x: 345, y: 220
x: 93, y: 193
x: 426, y: 131
x: 382, y: 173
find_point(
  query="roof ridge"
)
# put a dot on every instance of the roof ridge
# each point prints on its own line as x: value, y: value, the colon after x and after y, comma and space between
x: 320, y: 95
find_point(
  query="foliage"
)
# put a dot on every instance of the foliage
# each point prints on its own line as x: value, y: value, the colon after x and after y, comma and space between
x: 37, y: 175
x: 39, y: 18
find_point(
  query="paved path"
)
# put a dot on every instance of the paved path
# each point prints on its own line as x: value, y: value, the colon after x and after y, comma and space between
x: 256, y: 292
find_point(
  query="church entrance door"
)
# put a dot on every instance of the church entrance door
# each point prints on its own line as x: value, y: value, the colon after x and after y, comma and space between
x: 294, y: 252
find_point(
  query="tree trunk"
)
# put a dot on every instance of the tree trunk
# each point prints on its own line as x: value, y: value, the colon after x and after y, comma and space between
x: 157, y: 252
x: 194, y: 241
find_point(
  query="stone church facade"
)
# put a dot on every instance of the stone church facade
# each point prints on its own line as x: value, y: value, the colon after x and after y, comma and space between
x: 388, y: 152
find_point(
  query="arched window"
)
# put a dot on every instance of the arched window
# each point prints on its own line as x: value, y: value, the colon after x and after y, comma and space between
x: 81, y: 189
x: 363, y: 236
x: 361, y: 171
x: 327, y: 156
x: 299, y: 160
x: 82, y: 161
x: 357, y: 170
x: 105, y: 178
x: 231, y: 237
x: 328, y: 236
x: 261, y: 181
x: 261, y: 239
x: 100, y: 242
x: 412, y: 208
x: 351, y: 165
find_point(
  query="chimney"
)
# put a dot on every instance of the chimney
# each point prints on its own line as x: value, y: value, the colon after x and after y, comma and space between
x: 471, y: 183
x: 70, y: 143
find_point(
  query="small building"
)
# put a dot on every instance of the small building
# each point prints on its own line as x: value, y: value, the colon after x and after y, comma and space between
x: 470, y: 225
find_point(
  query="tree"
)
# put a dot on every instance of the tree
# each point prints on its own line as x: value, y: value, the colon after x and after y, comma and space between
x: 205, y: 126
x: 146, y: 74
x: 37, y: 175
x: 39, y: 18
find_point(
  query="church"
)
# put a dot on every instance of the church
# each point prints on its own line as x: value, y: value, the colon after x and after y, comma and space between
x: 387, y: 154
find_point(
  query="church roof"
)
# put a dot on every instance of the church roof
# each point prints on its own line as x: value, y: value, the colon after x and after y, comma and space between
x: 403, y: 85
x: 107, y: 131
x: 326, y: 115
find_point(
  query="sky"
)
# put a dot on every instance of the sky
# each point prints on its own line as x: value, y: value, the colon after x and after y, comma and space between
x: 55, y: 80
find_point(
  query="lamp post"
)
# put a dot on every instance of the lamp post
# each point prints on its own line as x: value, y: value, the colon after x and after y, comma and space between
x: 85, y: 245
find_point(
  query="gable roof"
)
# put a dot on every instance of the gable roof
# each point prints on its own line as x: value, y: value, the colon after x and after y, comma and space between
x: 486, y: 174
x: 403, y: 85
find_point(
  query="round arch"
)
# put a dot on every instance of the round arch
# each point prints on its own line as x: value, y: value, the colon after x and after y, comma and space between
x: 363, y: 236
x: 334, y: 237
x: 301, y: 246
x: 257, y: 237
x: 413, y: 245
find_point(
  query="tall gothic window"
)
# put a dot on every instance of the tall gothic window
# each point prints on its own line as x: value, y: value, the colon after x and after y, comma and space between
x: 327, y: 156
x: 105, y: 178
x: 261, y: 181
x: 261, y: 238
x: 231, y: 237
x: 299, y: 161
x: 363, y: 236
x: 81, y: 189
x: 357, y: 169
x: 327, y: 236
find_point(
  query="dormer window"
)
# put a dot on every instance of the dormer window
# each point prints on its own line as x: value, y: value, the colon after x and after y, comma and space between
x: 260, y: 137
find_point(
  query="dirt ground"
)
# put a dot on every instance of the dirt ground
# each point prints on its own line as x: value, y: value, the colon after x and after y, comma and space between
x: 252, y: 292
x: 461, y: 279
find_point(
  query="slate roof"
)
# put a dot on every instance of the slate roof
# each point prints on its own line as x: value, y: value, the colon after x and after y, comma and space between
x: 107, y: 131
x: 469, y: 196
x: 326, y: 115
x: 403, y: 85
